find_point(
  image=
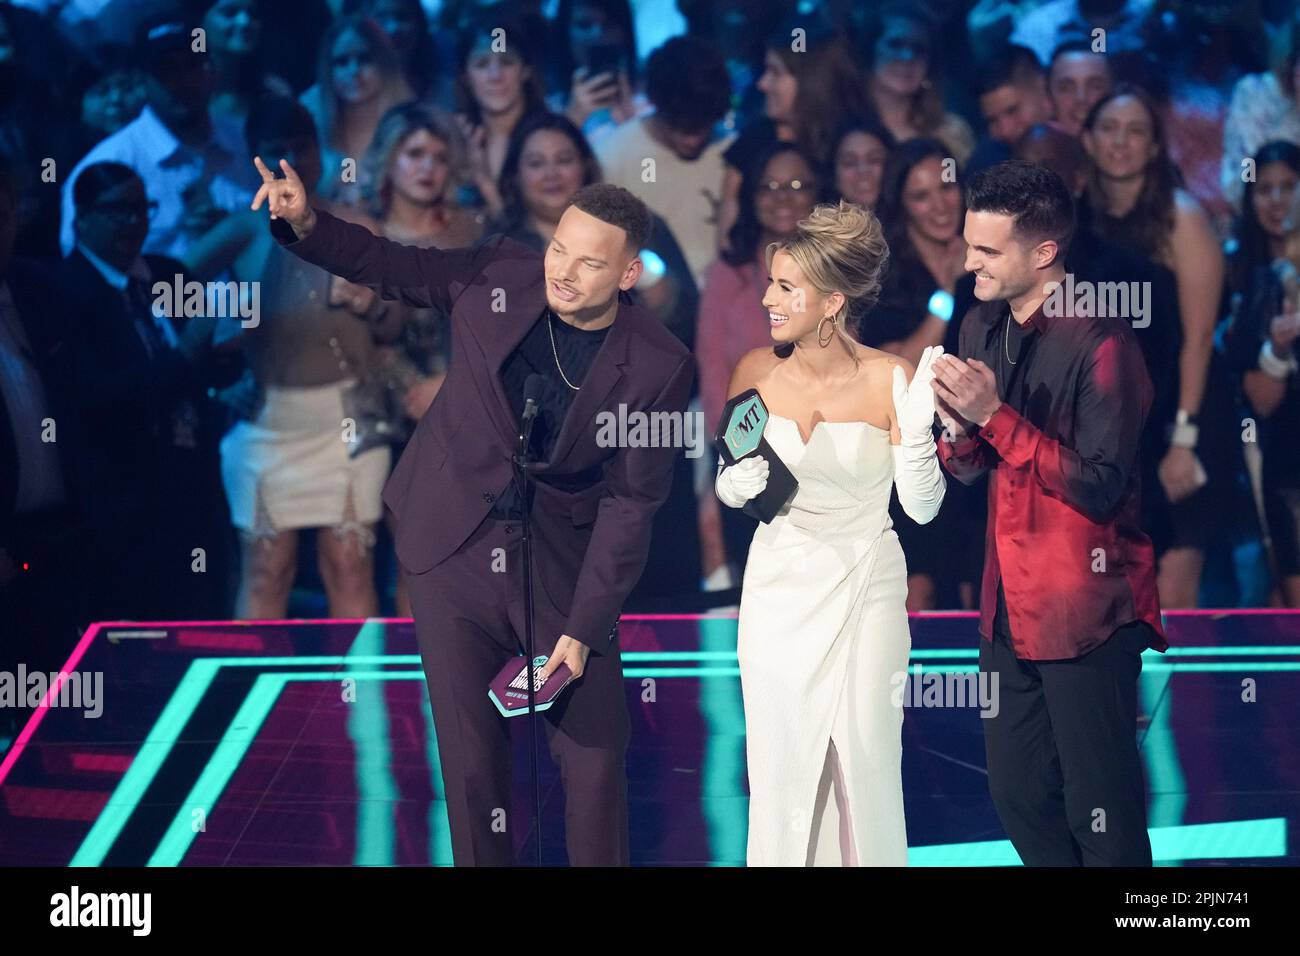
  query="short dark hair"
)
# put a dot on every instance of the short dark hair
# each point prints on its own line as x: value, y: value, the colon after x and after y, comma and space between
x: 95, y: 180
x: 618, y: 207
x: 1076, y: 46
x: 1011, y: 65
x: 280, y: 118
x: 1060, y: 152
x: 686, y: 80
x: 1036, y: 198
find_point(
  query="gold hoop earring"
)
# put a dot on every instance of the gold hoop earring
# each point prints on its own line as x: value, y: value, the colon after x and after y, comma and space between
x: 827, y: 342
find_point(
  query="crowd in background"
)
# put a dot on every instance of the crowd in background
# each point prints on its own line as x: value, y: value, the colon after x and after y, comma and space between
x: 185, y: 466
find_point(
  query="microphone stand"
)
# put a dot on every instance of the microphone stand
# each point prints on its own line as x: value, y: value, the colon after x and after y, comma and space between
x: 520, y: 462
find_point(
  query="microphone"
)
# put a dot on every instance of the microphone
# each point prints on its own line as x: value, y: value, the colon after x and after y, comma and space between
x: 534, y: 385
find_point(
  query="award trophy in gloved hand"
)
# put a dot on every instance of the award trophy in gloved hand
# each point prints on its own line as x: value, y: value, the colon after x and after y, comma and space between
x: 753, y: 477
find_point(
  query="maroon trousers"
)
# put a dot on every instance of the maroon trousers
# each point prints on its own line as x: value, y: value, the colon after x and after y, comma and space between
x: 469, y: 621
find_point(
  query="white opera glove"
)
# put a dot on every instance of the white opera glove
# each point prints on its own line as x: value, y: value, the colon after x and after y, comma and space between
x: 917, y: 474
x: 914, y: 404
x: 738, y: 483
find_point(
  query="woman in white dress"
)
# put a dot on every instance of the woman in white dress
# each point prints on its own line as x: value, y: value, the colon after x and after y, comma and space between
x: 823, y: 635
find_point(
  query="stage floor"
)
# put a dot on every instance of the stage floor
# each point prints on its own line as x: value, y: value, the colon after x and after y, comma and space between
x: 312, y: 743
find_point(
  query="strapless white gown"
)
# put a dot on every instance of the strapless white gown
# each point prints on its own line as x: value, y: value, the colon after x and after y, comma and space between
x: 822, y: 631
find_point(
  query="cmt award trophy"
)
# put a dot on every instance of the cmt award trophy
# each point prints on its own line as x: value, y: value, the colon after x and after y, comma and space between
x: 740, y: 435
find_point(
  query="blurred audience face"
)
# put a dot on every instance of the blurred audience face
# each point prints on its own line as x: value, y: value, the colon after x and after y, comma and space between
x: 786, y: 193
x: 353, y: 70
x: 794, y: 305
x: 779, y: 86
x: 1122, y: 141
x: 586, y: 263
x: 1273, y: 198
x: 234, y: 27
x: 1010, y: 109
x: 496, y: 80
x: 859, y: 162
x: 1003, y: 267
x: 932, y: 206
x: 550, y: 171
x: 421, y: 169
x: 399, y: 21
x: 1049, y: 145
x: 902, y: 56
x: 1076, y: 83
x: 302, y: 153
x: 688, y: 144
x: 114, y: 227
x: 588, y: 26
x: 180, y: 87
x: 112, y: 102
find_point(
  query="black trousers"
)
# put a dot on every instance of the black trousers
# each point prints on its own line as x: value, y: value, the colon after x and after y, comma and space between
x: 1064, y: 770
x: 469, y: 621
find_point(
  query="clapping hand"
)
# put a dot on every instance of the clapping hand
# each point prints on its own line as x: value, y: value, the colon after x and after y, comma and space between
x: 969, y: 389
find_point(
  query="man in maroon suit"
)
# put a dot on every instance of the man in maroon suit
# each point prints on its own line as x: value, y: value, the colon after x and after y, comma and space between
x: 515, y: 316
x: 1049, y: 399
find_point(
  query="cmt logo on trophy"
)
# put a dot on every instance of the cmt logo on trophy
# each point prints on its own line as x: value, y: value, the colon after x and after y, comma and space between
x: 740, y: 435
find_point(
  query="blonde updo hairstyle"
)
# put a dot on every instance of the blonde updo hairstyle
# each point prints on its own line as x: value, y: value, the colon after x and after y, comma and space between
x: 840, y: 248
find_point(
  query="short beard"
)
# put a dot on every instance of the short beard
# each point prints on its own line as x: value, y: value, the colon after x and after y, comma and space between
x: 586, y: 314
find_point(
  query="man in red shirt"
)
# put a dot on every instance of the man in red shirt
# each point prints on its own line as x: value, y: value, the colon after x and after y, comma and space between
x: 1049, y: 398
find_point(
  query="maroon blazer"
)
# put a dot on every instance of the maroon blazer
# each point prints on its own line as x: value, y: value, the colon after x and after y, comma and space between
x: 591, y: 545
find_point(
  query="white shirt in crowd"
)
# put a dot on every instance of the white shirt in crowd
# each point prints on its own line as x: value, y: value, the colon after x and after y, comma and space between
x: 684, y: 193
x: 168, y: 168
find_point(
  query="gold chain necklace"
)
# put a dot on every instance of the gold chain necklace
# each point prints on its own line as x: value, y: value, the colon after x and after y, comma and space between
x: 555, y: 352
x: 1006, y: 339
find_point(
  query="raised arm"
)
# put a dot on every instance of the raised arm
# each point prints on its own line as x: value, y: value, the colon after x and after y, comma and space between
x: 917, y: 475
x: 427, y: 278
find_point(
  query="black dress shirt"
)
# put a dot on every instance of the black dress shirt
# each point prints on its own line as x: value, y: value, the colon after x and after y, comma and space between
x: 1012, y: 362
x: 574, y: 349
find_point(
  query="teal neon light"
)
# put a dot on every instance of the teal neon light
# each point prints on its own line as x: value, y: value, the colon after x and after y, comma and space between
x: 198, y: 678
x: 1238, y: 839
